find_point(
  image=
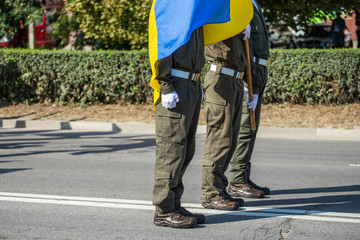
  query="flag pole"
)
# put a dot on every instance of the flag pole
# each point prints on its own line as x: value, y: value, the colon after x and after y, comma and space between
x: 249, y: 82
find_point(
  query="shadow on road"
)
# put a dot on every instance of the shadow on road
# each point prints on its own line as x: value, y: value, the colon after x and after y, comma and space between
x: 10, y: 170
x: 341, y: 198
x: 344, y: 203
x: 224, y: 218
x: 55, y: 134
x: 317, y: 190
x: 44, y: 137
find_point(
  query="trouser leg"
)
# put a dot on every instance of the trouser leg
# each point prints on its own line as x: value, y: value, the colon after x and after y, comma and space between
x: 240, y: 162
x: 237, y: 113
x: 221, y: 94
x: 190, y: 150
x: 175, y: 143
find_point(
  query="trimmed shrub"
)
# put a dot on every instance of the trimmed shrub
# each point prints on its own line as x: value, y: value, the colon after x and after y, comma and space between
x: 76, y: 77
x: 313, y: 76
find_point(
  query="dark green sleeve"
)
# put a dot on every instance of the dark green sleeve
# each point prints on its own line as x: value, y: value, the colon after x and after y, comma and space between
x: 254, y: 75
x: 255, y: 78
x: 164, y: 77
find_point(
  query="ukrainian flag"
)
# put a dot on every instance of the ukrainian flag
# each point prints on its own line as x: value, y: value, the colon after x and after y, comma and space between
x: 172, y: 22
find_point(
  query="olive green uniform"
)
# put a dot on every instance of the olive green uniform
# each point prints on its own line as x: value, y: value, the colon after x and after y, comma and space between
x: 259, y: 48
x: 176, y: 128
x: 222, y: 110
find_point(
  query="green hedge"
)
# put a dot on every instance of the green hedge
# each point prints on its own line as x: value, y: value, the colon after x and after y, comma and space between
x: 314, y: 76
x: 75, y: 77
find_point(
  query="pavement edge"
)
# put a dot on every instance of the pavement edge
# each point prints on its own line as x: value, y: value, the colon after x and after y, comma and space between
x: 149, y: 128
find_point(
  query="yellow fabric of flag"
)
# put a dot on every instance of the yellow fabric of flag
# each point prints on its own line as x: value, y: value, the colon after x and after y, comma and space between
x: 241, y: 13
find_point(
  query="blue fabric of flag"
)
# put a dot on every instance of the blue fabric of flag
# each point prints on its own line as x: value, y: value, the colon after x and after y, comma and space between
x: 177, y: 19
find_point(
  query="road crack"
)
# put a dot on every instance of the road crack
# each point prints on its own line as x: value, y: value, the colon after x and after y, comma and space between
x: 285, y: 229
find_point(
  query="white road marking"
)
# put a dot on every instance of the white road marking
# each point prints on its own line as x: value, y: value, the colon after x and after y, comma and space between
x: 354, y: 165
x: 147, y: 205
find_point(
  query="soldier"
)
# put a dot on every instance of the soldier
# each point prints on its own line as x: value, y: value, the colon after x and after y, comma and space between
x: 176, y: 122
x: 337, y: 31
x: 240, y: 183
x: 223, y: 103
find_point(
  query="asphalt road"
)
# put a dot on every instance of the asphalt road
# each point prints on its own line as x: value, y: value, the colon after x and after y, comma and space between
x: 98, y: 185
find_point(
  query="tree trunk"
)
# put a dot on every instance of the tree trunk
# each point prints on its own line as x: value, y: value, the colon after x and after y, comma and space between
x: 31, y: 36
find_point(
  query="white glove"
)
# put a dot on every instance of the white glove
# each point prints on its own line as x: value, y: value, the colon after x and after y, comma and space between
x: 253, y: 103
x: 169, y: 100
x: 246, y: 32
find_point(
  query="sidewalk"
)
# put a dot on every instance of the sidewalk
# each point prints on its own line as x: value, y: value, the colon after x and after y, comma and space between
x: 147, y: 128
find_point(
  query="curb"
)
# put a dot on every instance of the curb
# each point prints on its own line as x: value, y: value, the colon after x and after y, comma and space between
x: 127, y: 127
x: 324, y: 133
x: 149, y: 128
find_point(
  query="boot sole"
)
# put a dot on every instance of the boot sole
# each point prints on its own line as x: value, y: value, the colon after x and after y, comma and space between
x: 161, y: 224
x: 245, y: 196
x: 265, y: 193
x: 217, y: 208
x: 200, y: 221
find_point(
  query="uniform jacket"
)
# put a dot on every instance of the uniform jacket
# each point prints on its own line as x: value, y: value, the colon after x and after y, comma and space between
x: 259, y: 45
x: 189, y: 57
x: 229, y: 53
x: 259, y: 38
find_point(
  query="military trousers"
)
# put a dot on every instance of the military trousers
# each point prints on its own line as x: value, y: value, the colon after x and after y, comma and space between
x: 222, y: 110
x: 240, y: 165
x: 175, y: 143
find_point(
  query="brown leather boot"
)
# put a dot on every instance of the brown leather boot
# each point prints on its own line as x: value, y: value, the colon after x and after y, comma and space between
x: 200, y: 218
x: 173, y: 219
x: 240, y: 201
x: 221, y: 204
x: 244, y: 190
x: 264, y: 189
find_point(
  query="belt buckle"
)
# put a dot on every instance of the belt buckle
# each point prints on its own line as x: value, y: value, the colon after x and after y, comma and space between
x: 239, y: 75
x: 195, y: 77
x: 267, y: 63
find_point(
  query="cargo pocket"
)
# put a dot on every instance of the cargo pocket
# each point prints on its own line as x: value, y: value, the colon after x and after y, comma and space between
x: 168, y: 123
x: 212, y: 88
x: 214, y: 114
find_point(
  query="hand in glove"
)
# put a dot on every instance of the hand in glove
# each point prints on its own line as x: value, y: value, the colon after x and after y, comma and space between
x: 246, y: 32
x: 169, y: 100
x: 253, y: 103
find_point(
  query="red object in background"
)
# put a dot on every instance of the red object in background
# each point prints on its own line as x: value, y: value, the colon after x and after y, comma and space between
x: 21, y: 38
x: 43, y: 30
x: 40, y: 33
x: 350, y: 23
